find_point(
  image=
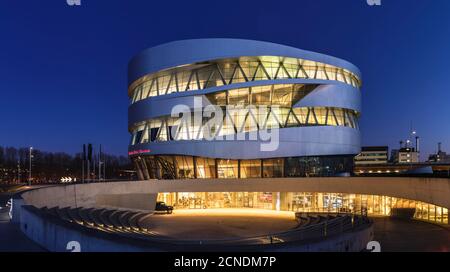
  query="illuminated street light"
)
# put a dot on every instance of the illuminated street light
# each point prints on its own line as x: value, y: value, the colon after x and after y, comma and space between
x: 29, y: 171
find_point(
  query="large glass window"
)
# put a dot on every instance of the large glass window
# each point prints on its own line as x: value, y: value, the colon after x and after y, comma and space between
x: 318, y: 166
x: 260, y: 73
x: 273, y: 168
x: 229, y: 71
x: 185, y: 166
x: 250, y: 168
x: 165, y: 167
x: 241, y: 119
x: 206, y: 167
x: 227, y: 169
x: 321, y: 115
x: 138, y: 137
x: 282, y: 95
x: 219, y: 98
x: 339, y: 114
x: 303, y: 202
x: 238, y: 97
x: 261, y: 95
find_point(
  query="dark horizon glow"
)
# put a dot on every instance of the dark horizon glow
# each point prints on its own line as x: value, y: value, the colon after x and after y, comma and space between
x: 63, y: 70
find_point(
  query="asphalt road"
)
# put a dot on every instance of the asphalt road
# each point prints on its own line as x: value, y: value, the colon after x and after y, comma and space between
x: 396, y: 235
x: 11, y: 238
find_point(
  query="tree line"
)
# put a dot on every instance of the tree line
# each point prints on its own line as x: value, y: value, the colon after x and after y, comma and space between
x: 51, y: 166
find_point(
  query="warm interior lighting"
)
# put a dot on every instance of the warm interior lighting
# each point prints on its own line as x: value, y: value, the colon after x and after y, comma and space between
x: 270, y: 204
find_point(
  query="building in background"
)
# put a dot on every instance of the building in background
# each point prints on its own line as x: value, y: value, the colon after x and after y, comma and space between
x: 440, y: 156
x: 394, y: 156
x: 372, y: 155
x: 313, y: 99
x: 407, y: 155
x: 404, y: 161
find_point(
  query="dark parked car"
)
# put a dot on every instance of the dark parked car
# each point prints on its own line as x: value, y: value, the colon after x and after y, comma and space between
x: 162, y: 207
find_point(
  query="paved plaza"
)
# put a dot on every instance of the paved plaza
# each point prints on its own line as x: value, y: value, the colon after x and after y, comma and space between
x: 212, y: 224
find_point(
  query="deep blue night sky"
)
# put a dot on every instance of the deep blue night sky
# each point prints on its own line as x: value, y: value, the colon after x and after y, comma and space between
x: 63, y: 69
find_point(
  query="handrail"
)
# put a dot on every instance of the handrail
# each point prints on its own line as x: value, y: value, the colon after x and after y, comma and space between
x: 342, y: 222
x: 332, y: 226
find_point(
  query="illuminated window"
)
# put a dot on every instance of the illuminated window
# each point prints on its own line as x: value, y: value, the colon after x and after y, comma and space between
x: 261, y: 95
x: 219, y: 98
x: 227, y: 168
x: 230, y: 71
x: 250, y: 168
x: 185, y: 166
x: 238, y: 97
x: 273, y: 168
x: 206, y: 167
x: 241, y: 119
x: 282, y: 95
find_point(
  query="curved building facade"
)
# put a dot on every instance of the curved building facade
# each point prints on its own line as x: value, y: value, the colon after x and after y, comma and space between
x: 229, y: 108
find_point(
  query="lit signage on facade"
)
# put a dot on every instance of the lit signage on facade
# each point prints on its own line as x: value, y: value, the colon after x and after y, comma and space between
x: 138, y: 152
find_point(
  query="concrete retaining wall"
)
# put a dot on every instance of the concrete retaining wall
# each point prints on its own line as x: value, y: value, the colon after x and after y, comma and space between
x: 141, y: 195
x: 144, y: 202
x: 346, y: 242
x: 429, y: 190
x: 55, y: 236
x: 17, y: 204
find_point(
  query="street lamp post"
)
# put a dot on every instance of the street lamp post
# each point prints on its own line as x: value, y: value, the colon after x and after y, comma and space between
x: 29, y: 170
x: 18, y: 171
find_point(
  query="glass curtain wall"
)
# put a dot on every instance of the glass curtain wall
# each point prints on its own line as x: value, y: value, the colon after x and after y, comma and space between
x: 186, y: 167
x: 305, y: 202
x: 160, y: 129
x: 230, y: 71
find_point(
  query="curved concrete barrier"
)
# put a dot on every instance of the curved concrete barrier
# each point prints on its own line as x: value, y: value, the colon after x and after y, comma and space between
x: 57, y: 236
x: 140, y: 194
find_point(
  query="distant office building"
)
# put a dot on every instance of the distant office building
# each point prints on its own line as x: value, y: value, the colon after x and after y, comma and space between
x: 403, y: 161
x: 439, y: 157
x: 407, y: 155
x: 372, y: 155
x: 394, y: 155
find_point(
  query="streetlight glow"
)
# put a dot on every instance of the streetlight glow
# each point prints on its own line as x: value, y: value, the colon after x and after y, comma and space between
x: 29, y: 172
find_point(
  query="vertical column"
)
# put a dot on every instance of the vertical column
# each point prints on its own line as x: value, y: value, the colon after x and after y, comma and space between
x: 158, y: 170
x: 194, y: 159
x: 262, y: 168
x: 175, y: 166
x: 320, y: 202
x: 239, y: 168
x: 435, y: 213
x: 143, y: 167
x: 138, y: 170
x: 448, y: 217
x: 216, y: 168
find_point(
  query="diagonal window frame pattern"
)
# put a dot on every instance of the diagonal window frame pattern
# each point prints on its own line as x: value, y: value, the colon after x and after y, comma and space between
x: 216, y: 73
x: 159, y: 129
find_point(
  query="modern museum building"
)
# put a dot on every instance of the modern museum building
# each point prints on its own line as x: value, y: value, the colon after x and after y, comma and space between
x: 234, y: 128
x: 308, y: 103
x: 286, y: 123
